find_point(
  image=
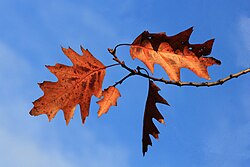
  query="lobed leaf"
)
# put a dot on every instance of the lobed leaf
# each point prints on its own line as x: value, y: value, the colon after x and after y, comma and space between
x: 110, y: 96
x: 151, y: 112
x: 76, y: 85
x: 173, y: 53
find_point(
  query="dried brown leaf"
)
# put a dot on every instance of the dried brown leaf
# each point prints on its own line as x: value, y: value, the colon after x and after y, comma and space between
x: 76, y: 84
x: 110, y: 96
x: 151, y: 112
x: 173, y: 53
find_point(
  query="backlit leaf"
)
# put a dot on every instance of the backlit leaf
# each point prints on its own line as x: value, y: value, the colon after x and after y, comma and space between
x: 173, y: 53
x: 76, y: 85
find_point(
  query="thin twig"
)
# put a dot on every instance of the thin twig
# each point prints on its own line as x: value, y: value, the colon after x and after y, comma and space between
x: 202, y: 84
x: 140, y: 68
x: 122, y: 63
x: 177, y: 83
x: 124, y: 78
x: 139, y: 71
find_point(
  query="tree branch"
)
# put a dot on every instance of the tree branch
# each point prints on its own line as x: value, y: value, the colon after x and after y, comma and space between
x: 200, y: 84
x: 196, y: 84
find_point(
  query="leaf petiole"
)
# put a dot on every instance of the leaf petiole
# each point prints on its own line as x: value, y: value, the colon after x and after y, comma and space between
x: 116, y: 64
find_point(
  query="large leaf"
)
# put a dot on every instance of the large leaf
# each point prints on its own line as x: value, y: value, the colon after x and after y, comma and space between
x: 76, y: 84
x: 151, y: 112
x: 173, y: 53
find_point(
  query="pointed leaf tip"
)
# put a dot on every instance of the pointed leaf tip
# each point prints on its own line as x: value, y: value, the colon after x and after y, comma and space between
x: 161, y: 121
x: 82, y: 49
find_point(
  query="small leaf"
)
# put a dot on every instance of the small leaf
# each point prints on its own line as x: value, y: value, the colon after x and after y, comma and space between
x: 110, y: 96
x: 151, y: 112
x: 76, y: 85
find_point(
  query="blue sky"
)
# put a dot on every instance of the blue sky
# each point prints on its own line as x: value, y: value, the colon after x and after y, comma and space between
x: 205, y: 126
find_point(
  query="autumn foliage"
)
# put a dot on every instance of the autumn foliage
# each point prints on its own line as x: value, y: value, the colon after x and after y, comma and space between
x: 78, y: 83
x: 173, y: 53
x: 151, y: 112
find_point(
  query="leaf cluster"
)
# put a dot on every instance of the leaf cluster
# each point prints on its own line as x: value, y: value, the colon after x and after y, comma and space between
x: 78, y: 83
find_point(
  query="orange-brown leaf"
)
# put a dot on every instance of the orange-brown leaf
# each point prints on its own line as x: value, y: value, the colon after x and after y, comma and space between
x: 173, y: 53
x: 110, y: 96
x: 76, y: 84
x: 151, y: 112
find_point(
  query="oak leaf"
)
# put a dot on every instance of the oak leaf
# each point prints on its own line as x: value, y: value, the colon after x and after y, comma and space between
x: 110, y: 96
x: 76, y: 84
x: 173, y: 53
x: 151, y: 112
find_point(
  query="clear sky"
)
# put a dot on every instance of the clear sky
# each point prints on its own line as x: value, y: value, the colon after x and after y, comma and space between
x: 206, y: 127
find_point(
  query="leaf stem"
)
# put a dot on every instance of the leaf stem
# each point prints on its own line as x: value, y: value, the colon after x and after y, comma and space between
x: 124, y: 78
x: 139, y: 71
x: 112, y: 65
x: 122, y: 44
